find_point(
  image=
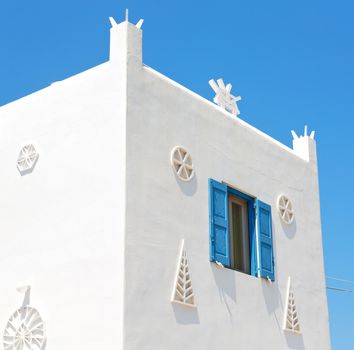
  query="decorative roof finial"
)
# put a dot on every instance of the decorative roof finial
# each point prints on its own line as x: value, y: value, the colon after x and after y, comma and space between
x: 126, y: 15
x: 26, y: 291
x: 140, y: 23
x: 223, y: 97
x: 312, y: 135
x: 23, y: 289
x: 113, y: 22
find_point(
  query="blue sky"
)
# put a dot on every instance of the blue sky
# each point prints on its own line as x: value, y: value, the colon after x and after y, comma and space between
x: 292, y: 63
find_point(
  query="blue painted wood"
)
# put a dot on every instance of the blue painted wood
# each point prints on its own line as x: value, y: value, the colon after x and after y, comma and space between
x: 252, y: 236
x: 218, y: 223
x: 265, y: 240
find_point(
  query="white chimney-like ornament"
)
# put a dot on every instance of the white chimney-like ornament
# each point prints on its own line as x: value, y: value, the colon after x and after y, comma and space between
x: 223, y: 97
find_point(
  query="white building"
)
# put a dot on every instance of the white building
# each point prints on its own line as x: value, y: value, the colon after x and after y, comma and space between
x: 93, y: 216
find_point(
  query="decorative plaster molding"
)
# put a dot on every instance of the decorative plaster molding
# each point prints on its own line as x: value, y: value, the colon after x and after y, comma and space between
x: 291, y: 318
x: 27, y: 159
x: 285, y: 209
x: 182, y: 164
x: 182, y: 291
x: 25, y: 330
x: 223, y: 97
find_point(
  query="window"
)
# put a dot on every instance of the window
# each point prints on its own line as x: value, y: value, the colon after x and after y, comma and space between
x: 240, y: 231
x: 239, y: 234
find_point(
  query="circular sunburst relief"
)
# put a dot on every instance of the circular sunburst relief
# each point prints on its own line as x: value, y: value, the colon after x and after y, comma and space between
x: 25, y: 330
x: 285, y: 209
x: 182, y: 164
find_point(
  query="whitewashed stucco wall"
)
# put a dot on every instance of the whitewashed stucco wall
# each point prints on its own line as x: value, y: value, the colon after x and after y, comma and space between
x: 103, y: 213
x: 62, y: 226
x: 234, y: 310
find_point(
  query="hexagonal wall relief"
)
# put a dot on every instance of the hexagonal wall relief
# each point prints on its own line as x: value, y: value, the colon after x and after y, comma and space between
x: 182, y: 164
x: 27, y: 159
x: 285, y: 209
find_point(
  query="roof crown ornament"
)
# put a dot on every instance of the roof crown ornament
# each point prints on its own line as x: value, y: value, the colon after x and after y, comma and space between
x: 223, y: 97
x: 295, y: 136
x: 115, y: 24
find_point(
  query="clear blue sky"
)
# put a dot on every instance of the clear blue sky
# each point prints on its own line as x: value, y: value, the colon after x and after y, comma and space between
x: 291, y: 61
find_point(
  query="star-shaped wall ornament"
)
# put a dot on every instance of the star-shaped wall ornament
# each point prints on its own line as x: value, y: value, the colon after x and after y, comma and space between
x: 223, y: 97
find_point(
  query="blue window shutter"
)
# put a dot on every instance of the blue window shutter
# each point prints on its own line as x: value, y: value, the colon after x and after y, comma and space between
x: 253, y: 240
x: 218, y: 222
x: 265, y: 240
